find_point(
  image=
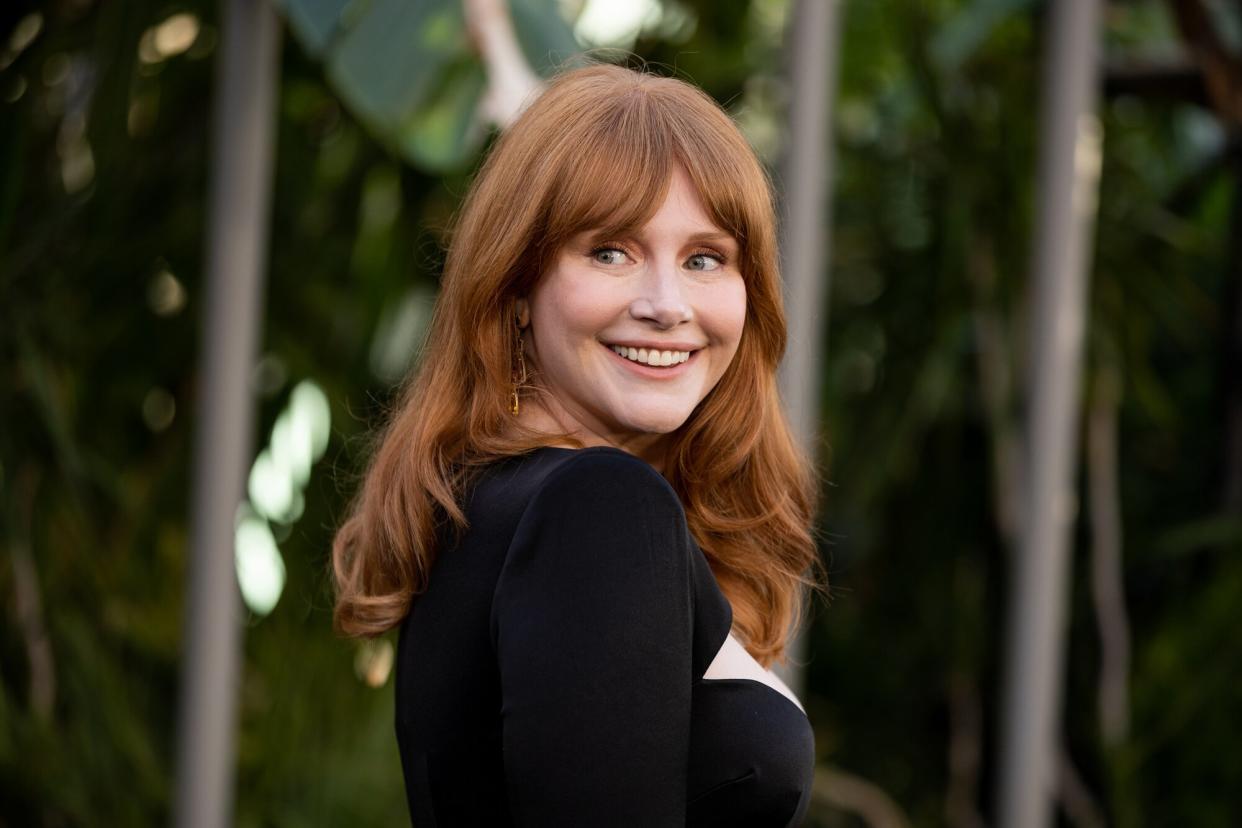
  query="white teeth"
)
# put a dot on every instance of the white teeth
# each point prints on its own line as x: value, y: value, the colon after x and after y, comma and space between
x: 653, y: 357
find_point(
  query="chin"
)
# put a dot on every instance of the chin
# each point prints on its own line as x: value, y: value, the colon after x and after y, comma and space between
x: 656, y: 424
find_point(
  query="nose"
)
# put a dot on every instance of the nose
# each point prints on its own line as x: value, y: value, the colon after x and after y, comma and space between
x: 660, y: 297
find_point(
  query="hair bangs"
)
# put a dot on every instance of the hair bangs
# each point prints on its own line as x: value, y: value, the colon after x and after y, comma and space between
x: 621, y: 165
x: 719, y: 190
x: 732, y: 185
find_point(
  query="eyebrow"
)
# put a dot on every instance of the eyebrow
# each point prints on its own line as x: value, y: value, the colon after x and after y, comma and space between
x: 718, y: 236
x: 700, y: 237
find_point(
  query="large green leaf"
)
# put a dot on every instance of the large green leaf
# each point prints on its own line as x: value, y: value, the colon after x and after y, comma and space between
x: 408, y: 72
x: 545, y: 36
x: 315, y: 22
x: 446, y: 133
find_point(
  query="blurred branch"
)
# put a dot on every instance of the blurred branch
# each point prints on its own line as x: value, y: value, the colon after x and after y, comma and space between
x: 965, y: 750
x: 511, y: 83
x: 992, y: 355
x: 1180, y: 81
x: 1076, y: 800
x: 1222, y: 70
x: 48, y: 393
x: 1231, y: 307
x: 996, y: 388
x: 1107, y: 585
x: 27, y: 604
x: 918, y: 38
x: 834, y: 788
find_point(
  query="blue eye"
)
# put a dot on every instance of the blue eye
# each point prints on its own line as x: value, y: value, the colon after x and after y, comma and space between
x: 704, y: 261
x: 608, y: 255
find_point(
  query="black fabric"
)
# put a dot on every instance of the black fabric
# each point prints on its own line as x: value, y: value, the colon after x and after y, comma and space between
x: 552, y: 672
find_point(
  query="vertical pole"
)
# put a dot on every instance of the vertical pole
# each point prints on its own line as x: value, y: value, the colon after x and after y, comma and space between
x: 813, y: 36
x: 241, y: 184
x: 1068, y: 187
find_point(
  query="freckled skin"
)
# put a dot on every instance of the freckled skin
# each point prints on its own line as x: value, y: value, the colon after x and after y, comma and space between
x: 674, y: 280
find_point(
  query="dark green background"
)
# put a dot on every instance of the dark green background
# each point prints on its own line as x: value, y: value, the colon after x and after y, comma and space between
x: 935, y: 141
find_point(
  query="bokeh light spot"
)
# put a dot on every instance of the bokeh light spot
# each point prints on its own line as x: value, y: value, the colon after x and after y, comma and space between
x: 159, y: 408
x: 270, y: 488
x: 616, y: 22
x: 168, y: 39
x: 26, y: 30
x: 260, y: 569
x: 166, y: 295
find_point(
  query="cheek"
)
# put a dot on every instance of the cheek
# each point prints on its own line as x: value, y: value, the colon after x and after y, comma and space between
x: 725, y: 307
x: 567, y: 308
x: 587, y: 311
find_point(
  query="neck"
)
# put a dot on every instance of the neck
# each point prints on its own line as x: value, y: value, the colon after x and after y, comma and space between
x: 554, y: 421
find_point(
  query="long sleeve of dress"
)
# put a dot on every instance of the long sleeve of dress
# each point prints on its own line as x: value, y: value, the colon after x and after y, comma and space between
x: 592, y: 620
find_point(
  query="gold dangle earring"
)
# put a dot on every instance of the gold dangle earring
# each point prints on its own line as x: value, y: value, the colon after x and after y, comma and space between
x: 518, y: 372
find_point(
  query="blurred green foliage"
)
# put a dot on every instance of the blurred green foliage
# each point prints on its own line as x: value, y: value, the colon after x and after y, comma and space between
x: 103, y: 175
x: 409, y: 71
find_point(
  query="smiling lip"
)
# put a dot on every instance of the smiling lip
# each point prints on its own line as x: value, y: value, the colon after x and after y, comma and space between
x: 658, y: 346
x: 654, y: 373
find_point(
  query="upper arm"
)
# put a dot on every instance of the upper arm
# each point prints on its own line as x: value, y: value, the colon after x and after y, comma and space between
x: 593, y: 626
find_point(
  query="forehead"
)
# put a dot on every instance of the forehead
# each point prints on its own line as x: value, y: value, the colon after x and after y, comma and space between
x: 679, y: 212
x: 683, y: 203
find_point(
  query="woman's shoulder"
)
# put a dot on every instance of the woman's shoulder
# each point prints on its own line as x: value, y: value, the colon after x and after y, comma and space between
x: 602, y: 526
x: 583, y: 493
x: 552, y: 481
x: 605, y: 531
x: 602, y: 478
x: 604, y: 463
x: 572, y: 472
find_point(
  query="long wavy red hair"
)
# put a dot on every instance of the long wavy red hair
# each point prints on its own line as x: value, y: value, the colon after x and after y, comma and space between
x: 596, y: 150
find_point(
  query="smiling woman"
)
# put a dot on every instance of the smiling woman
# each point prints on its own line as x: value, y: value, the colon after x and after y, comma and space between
x: 587, y: 515
x: 606, y: 320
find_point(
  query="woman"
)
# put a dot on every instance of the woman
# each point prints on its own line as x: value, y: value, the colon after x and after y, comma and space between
x: 587, y: 514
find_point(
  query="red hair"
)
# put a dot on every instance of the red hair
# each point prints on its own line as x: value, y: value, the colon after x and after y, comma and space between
x: 595, y: 151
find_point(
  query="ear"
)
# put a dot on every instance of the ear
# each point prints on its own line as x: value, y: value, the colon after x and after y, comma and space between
x: 521, y: 309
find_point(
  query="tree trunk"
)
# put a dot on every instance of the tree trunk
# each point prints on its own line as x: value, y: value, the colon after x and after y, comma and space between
x: 1068, y: 177
x: 241, y: 186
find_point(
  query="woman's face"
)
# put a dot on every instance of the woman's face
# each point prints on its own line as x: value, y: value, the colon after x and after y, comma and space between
x: 670, y: 295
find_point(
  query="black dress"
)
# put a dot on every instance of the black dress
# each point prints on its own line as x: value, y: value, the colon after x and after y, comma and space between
x: 552, y: 672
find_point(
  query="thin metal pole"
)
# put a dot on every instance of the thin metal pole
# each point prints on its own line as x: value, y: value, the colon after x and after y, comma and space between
x: 813, y: 35
x: 241, y: 184
x: 1068, y: 187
